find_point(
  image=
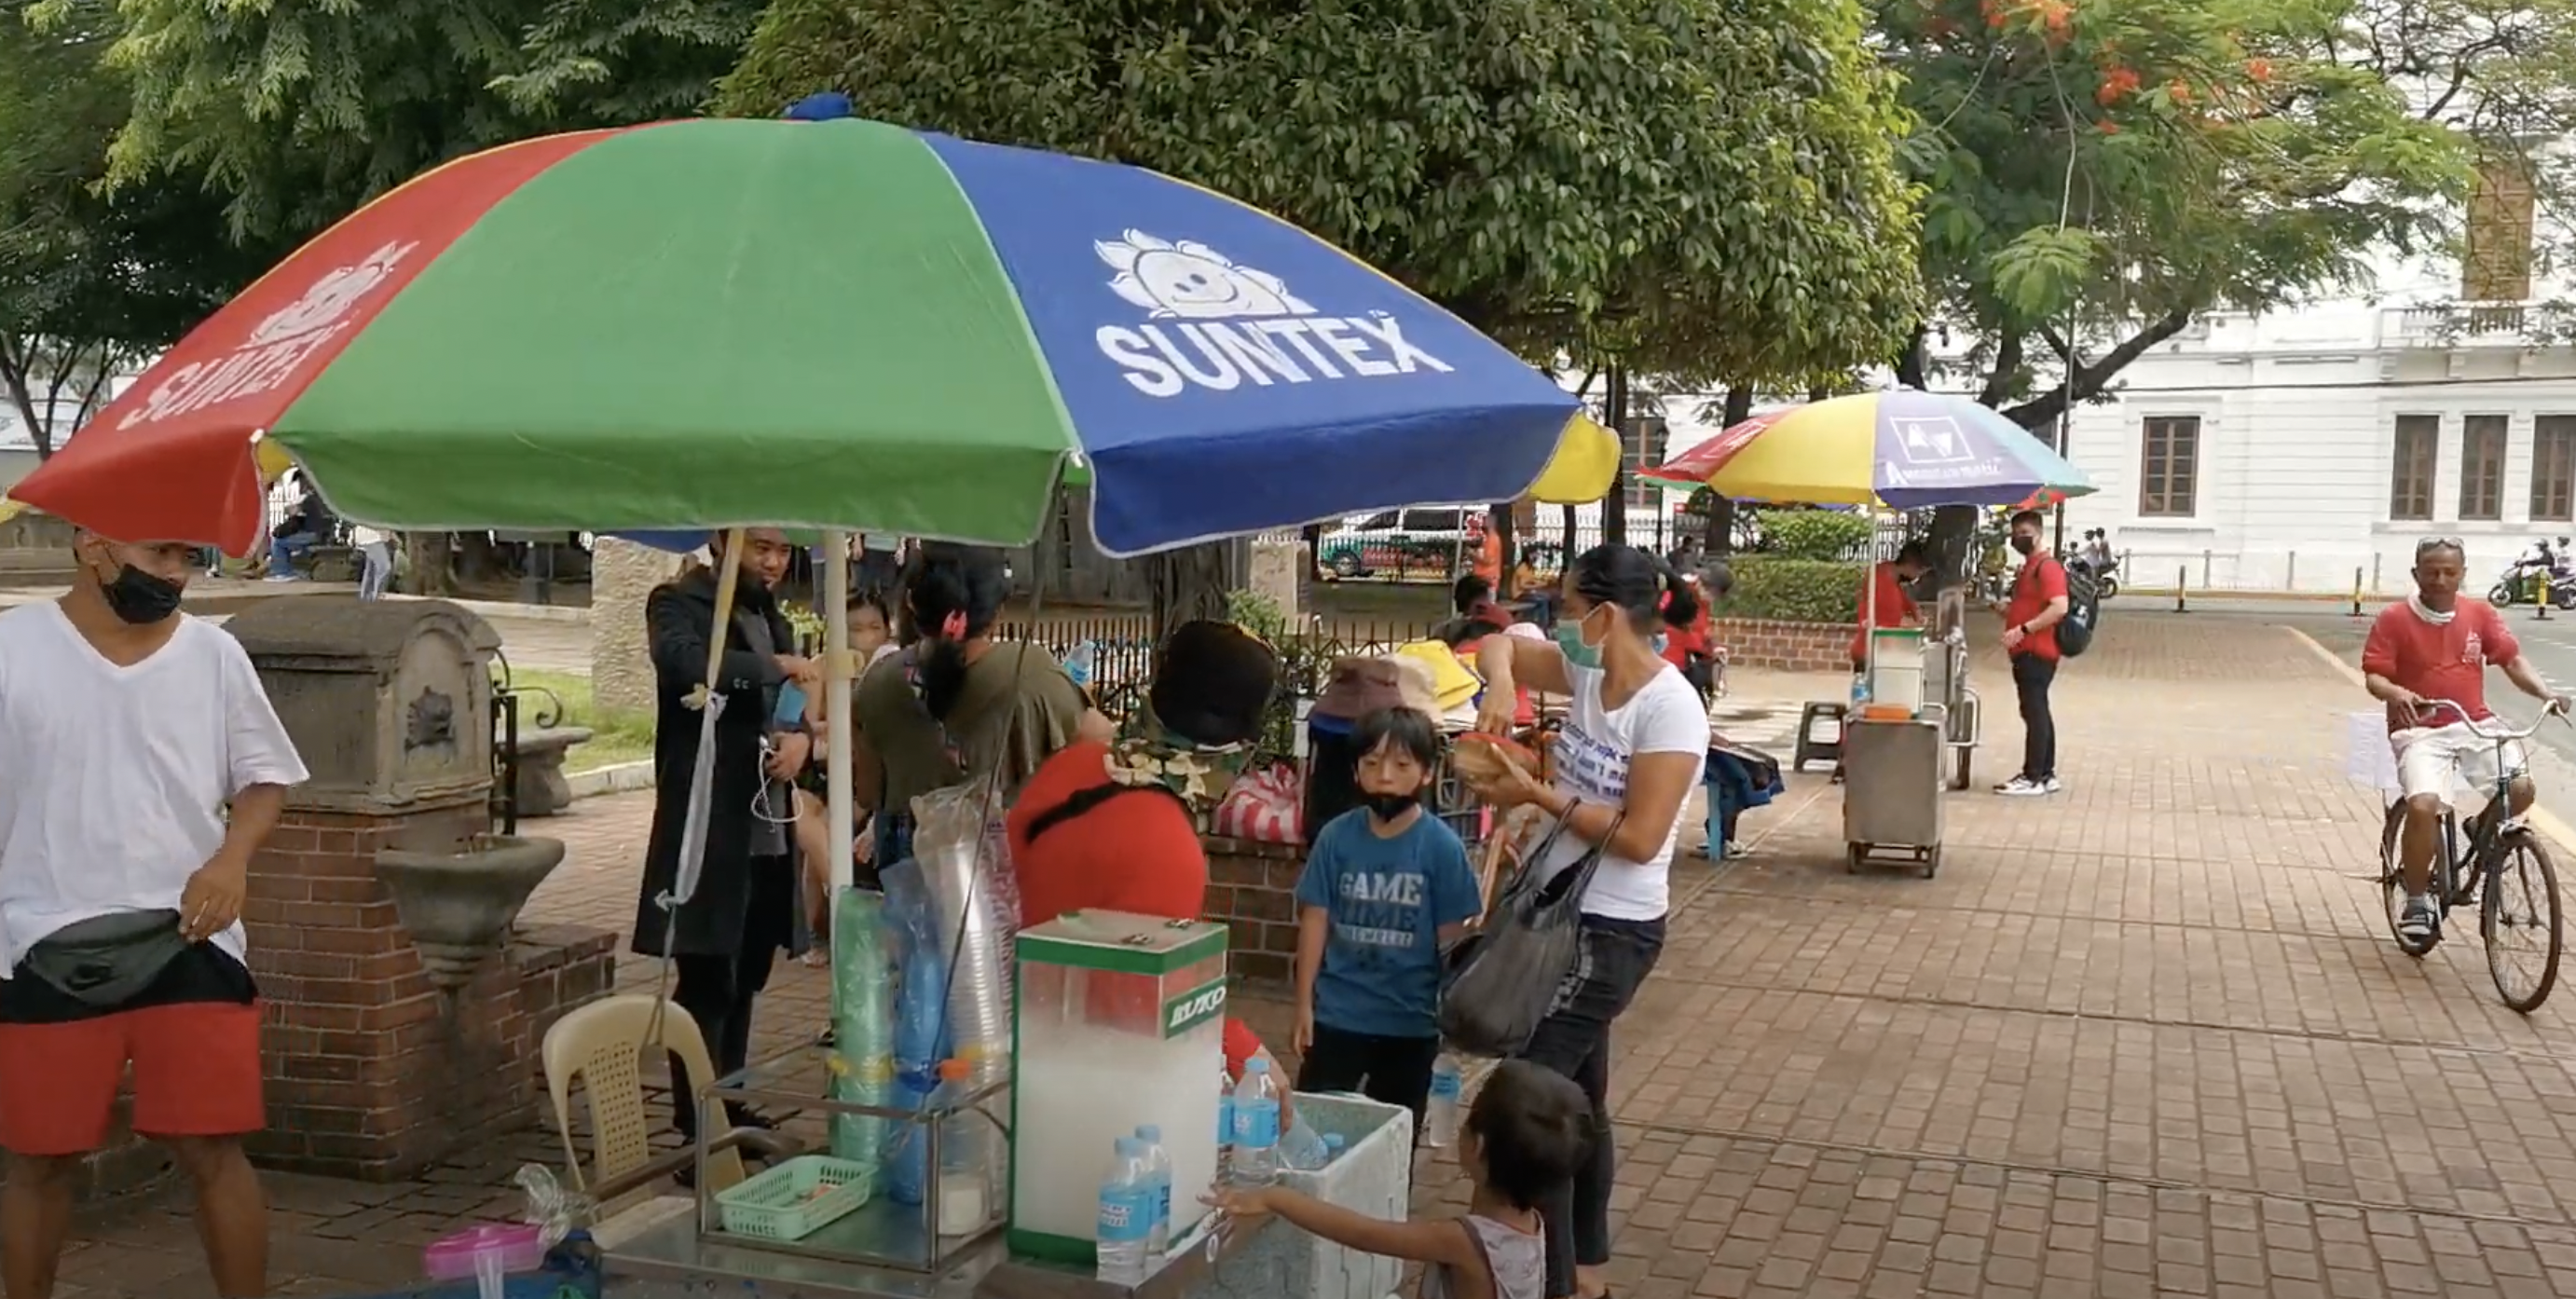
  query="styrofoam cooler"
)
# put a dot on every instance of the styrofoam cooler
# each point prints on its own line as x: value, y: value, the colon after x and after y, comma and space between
x: 1373, y: 1175
x: 2369, y: 759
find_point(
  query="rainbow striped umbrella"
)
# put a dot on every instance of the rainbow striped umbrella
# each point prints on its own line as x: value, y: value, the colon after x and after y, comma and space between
x: 812, y: 324
x: 1905, y: 449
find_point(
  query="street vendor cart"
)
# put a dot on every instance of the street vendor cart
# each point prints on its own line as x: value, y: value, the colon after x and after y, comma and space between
x: 1912, y: 718
x: 956, y: 260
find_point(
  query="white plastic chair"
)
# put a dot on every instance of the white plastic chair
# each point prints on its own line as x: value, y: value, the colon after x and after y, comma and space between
x: 603, y: 1045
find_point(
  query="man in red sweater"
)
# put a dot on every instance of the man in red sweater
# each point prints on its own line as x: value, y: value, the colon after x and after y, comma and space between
x: 2427, y: 660
x: 2038, y: 604
x: 1883, y: 598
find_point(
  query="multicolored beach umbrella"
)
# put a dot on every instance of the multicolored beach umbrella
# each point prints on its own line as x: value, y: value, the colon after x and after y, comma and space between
x: 1904, y: 448
x: 813, y: 324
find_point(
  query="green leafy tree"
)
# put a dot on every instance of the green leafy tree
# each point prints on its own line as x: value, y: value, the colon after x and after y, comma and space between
x: 2099, y: 174
x: 89, y: 284
x: 299, y: 113
x: 1683, y: 186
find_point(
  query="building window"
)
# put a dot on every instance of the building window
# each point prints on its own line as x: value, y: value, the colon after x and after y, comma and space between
x: 2169, y: 467
x: 1642, y: 447
x: 2482, y: 467
x: 2496, y: 265
x: 2410, y: 473
x: 2553, y: 469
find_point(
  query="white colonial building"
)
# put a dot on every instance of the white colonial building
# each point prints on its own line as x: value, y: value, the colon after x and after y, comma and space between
x: 2295, y: 450
x: 2292, y: 451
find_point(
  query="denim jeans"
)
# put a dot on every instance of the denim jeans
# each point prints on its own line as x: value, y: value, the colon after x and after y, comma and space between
x: 285, y: 549
x: 1574, y: 1040
x: 379, y: 572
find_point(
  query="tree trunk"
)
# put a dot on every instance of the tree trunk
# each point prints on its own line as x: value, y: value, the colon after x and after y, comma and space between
x: 1567, y: 517
x: 1721, y: 510
x: 1186, y: 585
x: 1614, y: 507
x: 1953, y: 528
x: 476, y: 558
x: 1314, y: 535
x: 432, y: 556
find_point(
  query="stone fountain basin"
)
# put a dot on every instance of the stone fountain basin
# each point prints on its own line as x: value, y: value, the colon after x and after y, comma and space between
x: 458, y: 904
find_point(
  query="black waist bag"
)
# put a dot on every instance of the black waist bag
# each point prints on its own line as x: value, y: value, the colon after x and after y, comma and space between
x: 107, y: 961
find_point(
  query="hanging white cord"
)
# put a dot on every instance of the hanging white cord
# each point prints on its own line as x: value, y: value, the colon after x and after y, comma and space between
x: 693, y: 826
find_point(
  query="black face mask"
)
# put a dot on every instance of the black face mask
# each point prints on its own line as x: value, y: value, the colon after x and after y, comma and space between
x: 1387, y: 807
x: 2025, y: 545
x: 140, y: 598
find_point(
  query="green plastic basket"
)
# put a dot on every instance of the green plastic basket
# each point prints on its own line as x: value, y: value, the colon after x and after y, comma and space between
x: 795, y: 1199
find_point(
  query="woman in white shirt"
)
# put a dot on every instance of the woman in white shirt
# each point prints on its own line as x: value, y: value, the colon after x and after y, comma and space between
x: 1635, y: 740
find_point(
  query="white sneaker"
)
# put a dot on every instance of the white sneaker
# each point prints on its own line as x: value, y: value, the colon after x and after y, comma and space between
x: 2052, y: 786
x: 2019, y: 787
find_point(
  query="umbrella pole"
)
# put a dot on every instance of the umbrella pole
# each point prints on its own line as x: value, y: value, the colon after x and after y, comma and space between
x: 1869, y: 605
x: 693, y: 825
x: 839, y: 672
x: 710, y: 705
x: 841, y: 831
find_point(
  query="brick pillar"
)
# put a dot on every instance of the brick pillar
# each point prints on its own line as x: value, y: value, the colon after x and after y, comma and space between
x: 622, y: 574
x: 371, y: 1071
x: 1252, y: 889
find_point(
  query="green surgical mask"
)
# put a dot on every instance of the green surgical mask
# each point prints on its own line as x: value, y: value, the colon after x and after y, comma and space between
x: 1578, y: 651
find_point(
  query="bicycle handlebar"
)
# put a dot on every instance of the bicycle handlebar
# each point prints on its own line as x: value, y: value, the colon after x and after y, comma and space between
x: 2547, y: 711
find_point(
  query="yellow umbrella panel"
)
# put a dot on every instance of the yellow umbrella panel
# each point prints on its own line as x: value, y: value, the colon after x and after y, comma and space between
x: 1586, y: 460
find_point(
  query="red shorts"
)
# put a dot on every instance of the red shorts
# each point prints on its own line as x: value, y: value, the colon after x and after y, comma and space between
x: 196, y: 1074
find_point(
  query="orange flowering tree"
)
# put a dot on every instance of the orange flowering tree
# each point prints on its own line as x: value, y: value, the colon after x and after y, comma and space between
x: 2098, y: 172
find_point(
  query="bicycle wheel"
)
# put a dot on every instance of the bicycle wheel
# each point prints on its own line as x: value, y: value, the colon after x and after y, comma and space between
x: 2518, y: 920
x: 2391, y: 882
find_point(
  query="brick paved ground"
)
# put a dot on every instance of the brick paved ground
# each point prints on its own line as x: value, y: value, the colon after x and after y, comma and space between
x: 2146, y: 1037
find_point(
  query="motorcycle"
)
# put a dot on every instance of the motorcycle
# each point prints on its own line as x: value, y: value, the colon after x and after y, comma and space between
x: 2521, y: 580
x: 2095, y: 557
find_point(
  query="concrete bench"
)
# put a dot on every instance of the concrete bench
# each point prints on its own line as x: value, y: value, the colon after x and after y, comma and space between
x: 332, y: 563
x: 541, y: 789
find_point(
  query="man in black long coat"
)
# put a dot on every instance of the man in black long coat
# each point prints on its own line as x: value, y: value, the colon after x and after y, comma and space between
x: 744, y: 911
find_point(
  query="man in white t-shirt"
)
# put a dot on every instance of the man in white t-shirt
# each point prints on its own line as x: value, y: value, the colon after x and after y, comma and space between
x: 140, y: 768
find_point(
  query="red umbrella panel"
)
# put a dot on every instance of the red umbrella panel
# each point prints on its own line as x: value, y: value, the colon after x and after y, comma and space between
x: 1694, y: 467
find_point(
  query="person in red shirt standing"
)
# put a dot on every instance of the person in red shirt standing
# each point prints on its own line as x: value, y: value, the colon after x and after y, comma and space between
x: 2427, y: 660
x: 1888, y: 605
x: 2030, y: 636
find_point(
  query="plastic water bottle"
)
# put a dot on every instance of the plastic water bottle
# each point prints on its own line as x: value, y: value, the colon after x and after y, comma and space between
x: 1440, y: 1117
x: 1082, y: 661
x: 1333, y: 1144
x: 1158, y: 1161
x: 1256, y: 1126
x: 1302, y: 1149
x: 1860, y: 691
x: 1224, y: 1118
x: 1126, y: 1225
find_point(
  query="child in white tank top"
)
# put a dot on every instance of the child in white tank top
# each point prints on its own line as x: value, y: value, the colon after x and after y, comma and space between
x: 1522, y: 1138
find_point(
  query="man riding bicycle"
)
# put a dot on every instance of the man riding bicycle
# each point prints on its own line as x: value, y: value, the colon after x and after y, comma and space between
x: 2435, y: 649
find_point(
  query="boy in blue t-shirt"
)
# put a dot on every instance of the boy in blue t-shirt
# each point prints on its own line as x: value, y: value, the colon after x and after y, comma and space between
x: 1386, y: 887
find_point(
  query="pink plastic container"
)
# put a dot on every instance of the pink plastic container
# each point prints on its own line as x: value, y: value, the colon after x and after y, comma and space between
x: 520, y: 1246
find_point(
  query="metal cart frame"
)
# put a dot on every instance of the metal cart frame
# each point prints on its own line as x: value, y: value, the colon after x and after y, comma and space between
x: 1965, y: 712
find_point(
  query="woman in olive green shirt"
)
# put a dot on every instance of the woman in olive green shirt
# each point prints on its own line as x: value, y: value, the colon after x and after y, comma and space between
x: 957, y: 705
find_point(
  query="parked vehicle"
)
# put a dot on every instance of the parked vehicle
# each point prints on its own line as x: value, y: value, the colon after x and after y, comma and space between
x: 1425, y: 541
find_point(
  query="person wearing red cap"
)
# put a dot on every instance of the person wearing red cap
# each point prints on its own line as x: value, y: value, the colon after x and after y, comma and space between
x: 1115, y: 826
